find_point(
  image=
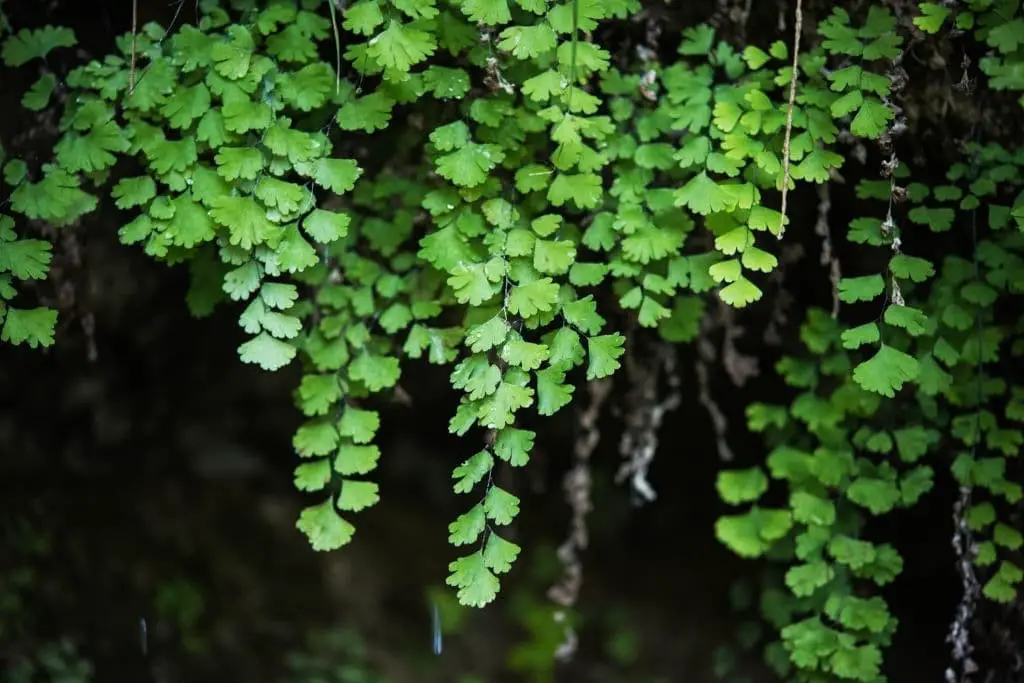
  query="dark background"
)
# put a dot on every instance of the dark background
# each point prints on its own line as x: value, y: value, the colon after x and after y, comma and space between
x: 148, y: 458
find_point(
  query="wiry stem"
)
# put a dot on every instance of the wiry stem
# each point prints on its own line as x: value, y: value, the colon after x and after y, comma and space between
x: 135, y: 33
x: 789, y: 111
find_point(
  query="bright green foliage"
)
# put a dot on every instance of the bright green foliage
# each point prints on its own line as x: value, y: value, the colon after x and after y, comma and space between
x: 29, y: 44
x: 52, y: 197
x: 480, y: 185
x: 835, y: 444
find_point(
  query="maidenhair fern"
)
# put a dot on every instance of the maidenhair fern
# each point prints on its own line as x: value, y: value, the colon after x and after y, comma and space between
x: 494, y: 187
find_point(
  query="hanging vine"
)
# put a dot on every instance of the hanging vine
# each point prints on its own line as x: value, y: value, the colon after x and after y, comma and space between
x: 490, y: 187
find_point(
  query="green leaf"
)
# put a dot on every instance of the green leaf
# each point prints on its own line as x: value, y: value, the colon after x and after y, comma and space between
x: 315, y: 438
x: 471, y: 283
x: 754, y: 532
x: 916, y: 483
x: 852, y: 552
x: 319, y: 393
x: 978, y: 293
x: 337, y: 175
x: 468, y: 526
x: 815, y: 166
x: 741, y: 486
x: 756, y: 259
x: 359, y: 425
x: 932, y: 17
x: 472, y: 471
x: 872, y: 119
x: 241, y: 282
x: 498, y: 410
x: 886, y: 371
x: 15, y: 171
x: 287, y: 198
x: 811, y: 509
x: 313, y: 476
x: 25, y: 259
x: 32, y: 326
x: 267, y: 352
x: 363, y: 17
x: 326, y: 226
x: 477, y: 586
x: 291, y: 45
x: 245, y: 220
x: 911, y: 268
x: 913, y: 442
x: 243, y: 115
x: 582, y: 314
x: 861, y: 663
x: 469, y: 165
x: 604, y: 353
x: 232, y: 57
x: 357, y: 495
x: 885, y: 46
x: 524, y: 354
x: 477, y: 376
x: 1007, y: 36
x: 755, y: 57
x: 500, y: 506
x: 527, y: 42
x: 324, y: 527
x: 939, y: 219
x: 239, y: 163
x: 804, y: 579
x: 865, y: 288
x: 915, y: 322
x: 847, y: 103
x: 552, y: 391
x: 92, y: 151
x: 131, y: 192
x: 499, y: 554
x: 38, y: 96
x: 489, y: 12
x: 29, y: 44
x: 740, y: 293
x: 294, y: 253
x: 735, y: 240
x: 697, y: 40
x: 1007, y: 536
x: 565, y: 348
x: 877, y: 495
x: 513, y: 445
x: 694, y: 152
x: 352, y: 459
x: 703, y: 195
x: 400, y: 46
x: 539, y: 296
x: 856, y: 337
x: 999, y: 589
x: 375, y: 372
x: 369, y: 113
x: 187, y: 105
x: 683, y: 324
x: 583, y: 189
x: 488, y: 335
x: 553, y: 256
